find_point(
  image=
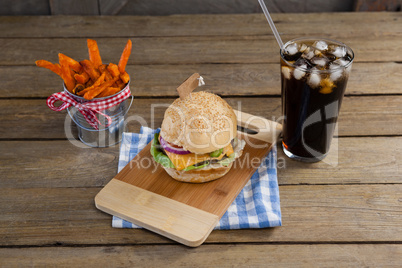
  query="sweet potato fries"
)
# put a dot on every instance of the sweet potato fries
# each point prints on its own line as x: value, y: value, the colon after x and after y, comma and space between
x: 91, y: 78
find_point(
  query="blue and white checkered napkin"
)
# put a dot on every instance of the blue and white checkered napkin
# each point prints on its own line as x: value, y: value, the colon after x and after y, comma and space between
x: 257, y: 205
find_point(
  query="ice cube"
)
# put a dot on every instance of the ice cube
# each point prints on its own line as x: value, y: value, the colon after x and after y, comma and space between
x: 306, y: 63
x: 299, y: 72
x: 334, y: 66
x: 291, y: 49
x: 301, y: 61
x: 318, y: 53
x: 336, y: 74
x: 286, y: 72
x: 341, y: 62
x: 314, y: 79
x: 339, y: 52
x: 321, y: 45
x: 336, y: 71
x: 303, y: 48
x: 309, y: 55
x: 320, y: 61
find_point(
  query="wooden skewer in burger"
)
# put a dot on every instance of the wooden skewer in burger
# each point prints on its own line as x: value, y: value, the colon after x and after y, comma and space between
x: 198, y: 138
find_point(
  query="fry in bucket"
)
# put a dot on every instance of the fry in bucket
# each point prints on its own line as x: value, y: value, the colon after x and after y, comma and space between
x: 97, y: 83
x: 104, y: 69
x: 81, y: 78
x: 93, y: 51
x: 124, y: 56
x: 66, y: 75
x: 78, y: 88
x: 90, y: 69
x: 75, y: 65
x: 109, y: 91
x: 98, y: 90
x: 54, y: 67
x: 113, y: 69
x: 124, y: 77
x: 91, y: 78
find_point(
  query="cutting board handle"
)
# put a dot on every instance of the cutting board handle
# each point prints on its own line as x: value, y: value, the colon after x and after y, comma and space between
x: 266, y: 130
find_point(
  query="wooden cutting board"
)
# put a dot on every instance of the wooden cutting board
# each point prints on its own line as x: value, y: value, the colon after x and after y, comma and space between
x: 144, y: 194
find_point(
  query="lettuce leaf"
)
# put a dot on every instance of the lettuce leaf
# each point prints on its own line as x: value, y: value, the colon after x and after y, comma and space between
x: 216, y: 153
x: 196, y: 167
x: 158, y: 155
x: 225, y: 162
x: 161, y: 158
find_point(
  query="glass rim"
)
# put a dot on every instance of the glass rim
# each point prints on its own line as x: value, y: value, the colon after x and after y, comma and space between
x: 317, y: 39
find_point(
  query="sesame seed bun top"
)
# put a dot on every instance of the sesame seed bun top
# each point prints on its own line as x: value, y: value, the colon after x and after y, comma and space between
x: 201, y: 123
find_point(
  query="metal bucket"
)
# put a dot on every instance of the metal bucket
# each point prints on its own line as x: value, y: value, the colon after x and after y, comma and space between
x: 104, y: 136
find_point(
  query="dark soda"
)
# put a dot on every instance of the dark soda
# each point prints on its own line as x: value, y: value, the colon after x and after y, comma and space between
x: 314, y: 75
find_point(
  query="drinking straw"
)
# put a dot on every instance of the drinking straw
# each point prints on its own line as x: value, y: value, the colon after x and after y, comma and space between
x: 271, y: 23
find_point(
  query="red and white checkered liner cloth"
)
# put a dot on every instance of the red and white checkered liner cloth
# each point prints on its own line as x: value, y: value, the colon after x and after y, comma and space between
x: 89, y: 109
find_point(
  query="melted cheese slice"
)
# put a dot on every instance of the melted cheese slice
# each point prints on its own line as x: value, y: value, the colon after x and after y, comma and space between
x: 228, y: 150
x: 181, y: 161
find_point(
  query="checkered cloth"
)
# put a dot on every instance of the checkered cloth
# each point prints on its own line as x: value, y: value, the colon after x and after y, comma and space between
x: 257, y: 205
x: 88, y: 109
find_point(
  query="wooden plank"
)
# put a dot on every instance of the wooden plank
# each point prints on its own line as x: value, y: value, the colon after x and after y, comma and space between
x: 351, y: 160
x: 224, y: 79
x: 338, y: 24
x: 382, y: 5
x: 359, y: 116
x: 229, y: 7
x: 190, y: 50
x: 24, y: 7
x: 377, y: 110
x: 207, y: 256
x: 107, y: 7
x: 315, y: 213
x: 28, y: 164
x: 37, y: 168
x: 74, y: 7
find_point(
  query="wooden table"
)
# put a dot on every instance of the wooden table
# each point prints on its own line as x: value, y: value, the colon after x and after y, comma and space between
x: 347, y: 213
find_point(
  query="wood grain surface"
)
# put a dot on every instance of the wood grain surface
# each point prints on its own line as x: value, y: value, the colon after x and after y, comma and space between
x: 244, y: 255
x: 378, y: 163
x: 344, y: 211
x: 223, y: 79
x: 339, y: 24
x: 331, y: 214
x: 154, y: 7
x: 190, y: 50
x: 41, y: 122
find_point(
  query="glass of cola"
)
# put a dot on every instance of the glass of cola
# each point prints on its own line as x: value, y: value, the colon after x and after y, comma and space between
x: 314, y: 74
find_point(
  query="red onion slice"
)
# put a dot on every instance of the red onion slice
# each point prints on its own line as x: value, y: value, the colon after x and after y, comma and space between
x: 171, y: 148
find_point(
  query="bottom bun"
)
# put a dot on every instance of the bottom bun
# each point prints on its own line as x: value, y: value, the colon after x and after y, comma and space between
x: 199, y: 175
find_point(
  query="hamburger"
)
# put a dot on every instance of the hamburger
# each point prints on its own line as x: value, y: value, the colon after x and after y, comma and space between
x: 198, y: 138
